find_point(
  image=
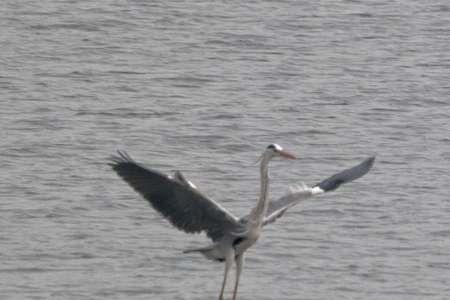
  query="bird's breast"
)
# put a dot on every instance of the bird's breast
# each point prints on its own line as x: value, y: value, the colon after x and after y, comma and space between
x: 241, y: 244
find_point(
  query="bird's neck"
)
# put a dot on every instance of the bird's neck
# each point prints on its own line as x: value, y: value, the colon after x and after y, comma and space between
x: 259, y: 211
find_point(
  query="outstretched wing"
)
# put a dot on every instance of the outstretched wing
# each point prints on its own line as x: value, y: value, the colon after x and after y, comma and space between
x: 345, y: 176
x: 278, y: 207
x: 185, y: 207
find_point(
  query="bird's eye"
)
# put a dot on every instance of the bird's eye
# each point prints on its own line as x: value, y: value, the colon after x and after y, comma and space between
x: 271, y: 146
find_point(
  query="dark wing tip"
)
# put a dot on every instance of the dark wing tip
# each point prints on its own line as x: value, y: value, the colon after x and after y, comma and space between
x: 347, y: 175
x: 122, y: 157
x: 362, y: 169
x: 369, y: 162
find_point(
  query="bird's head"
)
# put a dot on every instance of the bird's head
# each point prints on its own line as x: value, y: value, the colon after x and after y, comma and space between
x: 275, y: 150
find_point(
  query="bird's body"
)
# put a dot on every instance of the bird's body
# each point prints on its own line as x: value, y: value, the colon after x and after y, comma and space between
x: 179, y: 201
x: 218, y: 251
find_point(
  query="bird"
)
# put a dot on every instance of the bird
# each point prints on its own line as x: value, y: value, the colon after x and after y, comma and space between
x: 186, y: 208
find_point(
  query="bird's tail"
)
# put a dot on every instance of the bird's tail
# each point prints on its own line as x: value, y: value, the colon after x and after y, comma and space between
x: 207, y: 248
x: 192, y: 250
x: 210, y: 252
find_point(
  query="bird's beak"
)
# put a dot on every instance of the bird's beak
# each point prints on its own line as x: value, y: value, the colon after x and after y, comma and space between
x: 286, y: 154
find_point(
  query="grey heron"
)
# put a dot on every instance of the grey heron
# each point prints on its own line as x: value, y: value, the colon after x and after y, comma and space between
x: 185, y: 207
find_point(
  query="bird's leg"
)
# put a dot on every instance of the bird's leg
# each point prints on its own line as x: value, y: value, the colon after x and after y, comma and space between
x: 229, y: 258
x: 239, y: 264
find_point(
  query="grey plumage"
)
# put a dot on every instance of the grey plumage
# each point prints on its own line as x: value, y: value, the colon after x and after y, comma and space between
x: 189, y: 210
x: 278, y: 207
x: 347, y: 175
x: 186, y: 208
x: 179, y: 201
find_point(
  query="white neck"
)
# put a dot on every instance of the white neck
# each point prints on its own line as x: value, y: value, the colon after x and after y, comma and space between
x: 259, y: 211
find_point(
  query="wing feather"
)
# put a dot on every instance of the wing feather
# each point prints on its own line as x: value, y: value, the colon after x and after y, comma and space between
x: 185, y: 207
x: 350, y: 174
x: 278, y: 207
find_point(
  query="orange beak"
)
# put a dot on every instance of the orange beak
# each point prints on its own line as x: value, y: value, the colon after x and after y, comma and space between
x: 286, y: 154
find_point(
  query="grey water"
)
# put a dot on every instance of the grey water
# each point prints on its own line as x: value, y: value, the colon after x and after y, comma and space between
x: 203, y: 87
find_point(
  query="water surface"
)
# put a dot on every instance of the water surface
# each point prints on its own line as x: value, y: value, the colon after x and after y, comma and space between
x: 203, y: 87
